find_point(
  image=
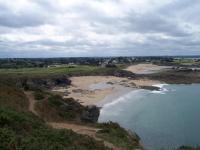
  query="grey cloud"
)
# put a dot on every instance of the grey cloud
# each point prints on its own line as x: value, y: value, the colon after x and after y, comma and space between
x: 178, y: 6
x: 93, y: 32
x: 154, y: 23
x: 185, y: 10
x: 9, y: 18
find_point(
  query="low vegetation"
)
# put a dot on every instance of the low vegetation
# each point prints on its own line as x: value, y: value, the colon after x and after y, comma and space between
x: 55, y: 109
x: 25, y: 131
x: 77, y: 70
x: 186, y: 62
x: 113, y: 133
x: 39, y: 95
x: 67, y: 71
x: 11, y: 96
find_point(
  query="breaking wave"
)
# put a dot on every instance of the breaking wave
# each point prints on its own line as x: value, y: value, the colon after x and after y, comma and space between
x: 162, y: 89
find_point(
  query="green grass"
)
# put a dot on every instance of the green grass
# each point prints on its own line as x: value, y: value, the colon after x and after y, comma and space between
x: 56, y: 70
x: 53, y: 70
x: 186, y: 62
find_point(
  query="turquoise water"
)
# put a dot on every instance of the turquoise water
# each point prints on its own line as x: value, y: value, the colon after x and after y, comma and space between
x: 166, y: 119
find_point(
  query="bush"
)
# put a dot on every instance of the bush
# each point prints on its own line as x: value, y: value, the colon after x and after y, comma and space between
x: 115, y: 134
x: 38, y: 95
x: 7, y: 139
x: 55, y: 100
x: 26, y: 131
x: 11, y: 96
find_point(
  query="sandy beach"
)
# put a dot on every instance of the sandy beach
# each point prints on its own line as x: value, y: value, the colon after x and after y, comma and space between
x: 91, y: 90
x: 146, y: 68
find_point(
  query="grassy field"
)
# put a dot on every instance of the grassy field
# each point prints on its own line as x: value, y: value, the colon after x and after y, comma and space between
x: 50, y: 70
x: 71, y: 71
x: 186, y: 62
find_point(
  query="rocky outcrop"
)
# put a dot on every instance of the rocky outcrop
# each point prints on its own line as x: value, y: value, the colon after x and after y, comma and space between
x: 91, y: 114
x: 124, y: 73
x: 151, y: 88
x: 43, y: 83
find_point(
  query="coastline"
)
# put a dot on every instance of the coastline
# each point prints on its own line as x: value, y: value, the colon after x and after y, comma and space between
x: 119, y: 92
x: 98, y: 90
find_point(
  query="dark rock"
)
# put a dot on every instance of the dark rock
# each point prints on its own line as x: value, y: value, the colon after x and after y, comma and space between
x: 43, y: 83
x: 152, y: 88
x: 91, y: 114
x: 63, y: 80
x: 124, y: 73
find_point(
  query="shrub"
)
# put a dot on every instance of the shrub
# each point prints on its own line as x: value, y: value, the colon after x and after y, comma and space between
x: 38, y: 95
x: 26, y: 131
x: 115, y: 134
x: 7, y: 139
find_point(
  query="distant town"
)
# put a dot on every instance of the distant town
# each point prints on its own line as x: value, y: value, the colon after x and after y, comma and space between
x: 181, y: 61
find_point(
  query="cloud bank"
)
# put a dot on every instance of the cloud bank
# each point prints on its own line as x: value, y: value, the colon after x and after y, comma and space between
x: 64, y: 28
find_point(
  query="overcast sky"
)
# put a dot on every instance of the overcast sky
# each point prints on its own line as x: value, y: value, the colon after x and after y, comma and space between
x: 62, y: 28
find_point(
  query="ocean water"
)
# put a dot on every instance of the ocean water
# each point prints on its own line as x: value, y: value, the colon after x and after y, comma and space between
x: 166, y: 119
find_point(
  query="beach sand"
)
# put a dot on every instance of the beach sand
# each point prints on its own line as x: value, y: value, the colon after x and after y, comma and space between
x: 146, y: 68
x: 91, y: 90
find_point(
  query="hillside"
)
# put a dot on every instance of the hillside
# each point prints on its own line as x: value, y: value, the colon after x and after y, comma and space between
x: 29, y: 125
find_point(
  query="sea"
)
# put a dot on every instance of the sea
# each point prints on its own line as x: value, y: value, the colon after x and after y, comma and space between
x: 165, y: 119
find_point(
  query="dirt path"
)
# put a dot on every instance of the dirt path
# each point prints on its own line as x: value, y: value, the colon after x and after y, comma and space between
x: 85, y: 130
x: 80, y: 129
x: 32, y: 102
x: 76, y: 128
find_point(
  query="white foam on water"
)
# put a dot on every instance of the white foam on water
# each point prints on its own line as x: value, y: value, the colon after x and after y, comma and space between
x: 160, y: 85
x: 162, y: 89
x: 157, y: 92
x: 123, y: 99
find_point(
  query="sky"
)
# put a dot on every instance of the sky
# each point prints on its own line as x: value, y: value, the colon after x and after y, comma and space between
x: 71, y: 28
